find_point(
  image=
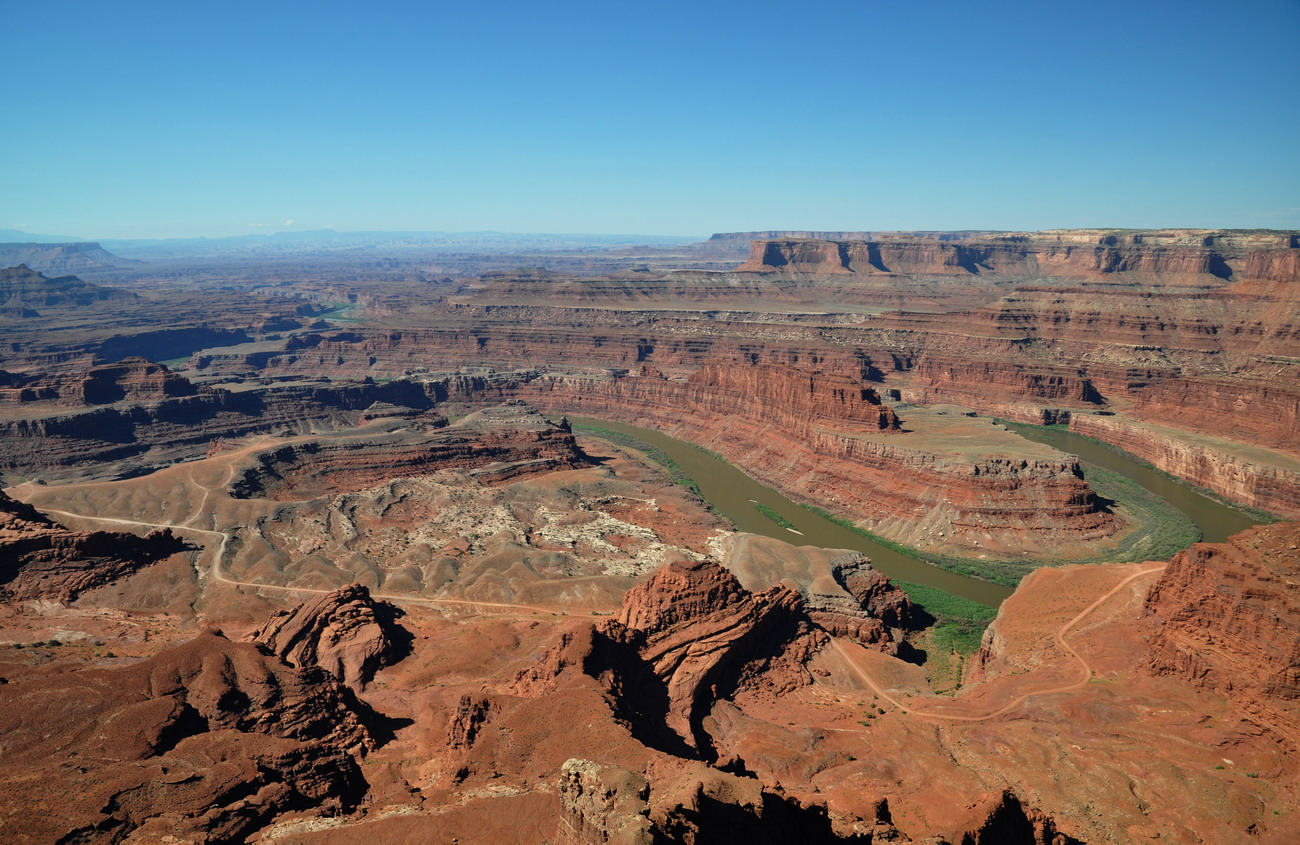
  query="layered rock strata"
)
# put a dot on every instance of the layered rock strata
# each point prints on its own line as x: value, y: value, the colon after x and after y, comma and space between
x: 841, y: 592
x: 821, y: 455
x: 686, y: 638
x: 496, y: 444
x: 22, y: 287
x: 181, y: 427
x: 1268, y: 488
x: 1224, y: 616
x: 1202, y: 257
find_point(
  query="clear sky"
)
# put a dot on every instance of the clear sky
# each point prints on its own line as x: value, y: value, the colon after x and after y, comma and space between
x: 132, y: 119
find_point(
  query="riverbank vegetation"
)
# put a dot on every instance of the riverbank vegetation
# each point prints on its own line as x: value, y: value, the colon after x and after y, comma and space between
x: 773, y: 515
x: 618, y: 438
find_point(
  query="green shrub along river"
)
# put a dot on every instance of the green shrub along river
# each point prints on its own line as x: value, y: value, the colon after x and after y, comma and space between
x: 962, y: 594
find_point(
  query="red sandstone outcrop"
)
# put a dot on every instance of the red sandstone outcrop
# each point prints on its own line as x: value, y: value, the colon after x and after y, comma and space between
x: 685, y: 638
x: 794, y: 399
x: 467, y: 721
x: 41, y: 559
x: 696, y: 629
x: 677, y: 646
x: 603, y: 805
x: 841, y: 591
x: 1226, y: 616
x: 206, y: 741
x: 133, y: 380
x: 347, y: 633
x: 1004, y: 818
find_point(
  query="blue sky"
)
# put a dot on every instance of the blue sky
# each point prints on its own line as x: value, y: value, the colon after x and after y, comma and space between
x: 166, y: 119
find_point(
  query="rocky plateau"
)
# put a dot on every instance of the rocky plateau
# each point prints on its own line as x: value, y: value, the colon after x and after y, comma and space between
x: 315, y: 550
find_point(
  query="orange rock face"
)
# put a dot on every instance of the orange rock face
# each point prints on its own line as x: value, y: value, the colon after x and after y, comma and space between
x: 683, y: 639
x: 1224, y: 616
x: 346, y: 633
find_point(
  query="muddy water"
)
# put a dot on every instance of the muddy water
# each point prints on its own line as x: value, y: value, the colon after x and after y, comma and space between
x: 1217, y: 522
x: 733, y: 494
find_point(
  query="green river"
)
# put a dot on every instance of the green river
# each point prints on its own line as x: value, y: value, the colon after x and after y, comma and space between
x: 1216, y: 521
x: 733, y: 494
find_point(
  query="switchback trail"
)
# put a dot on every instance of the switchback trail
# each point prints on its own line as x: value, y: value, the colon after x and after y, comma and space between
x: 1021, y: 699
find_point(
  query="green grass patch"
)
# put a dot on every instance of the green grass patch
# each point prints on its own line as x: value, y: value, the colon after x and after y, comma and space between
x: 946, y: 607
x: 1162, y: 529
x: 773, y: 515
x: 962, y: 637
x: 618, y: 438
x: 954, y: 636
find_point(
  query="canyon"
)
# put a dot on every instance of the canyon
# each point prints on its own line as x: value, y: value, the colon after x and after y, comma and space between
x: 302, y: 553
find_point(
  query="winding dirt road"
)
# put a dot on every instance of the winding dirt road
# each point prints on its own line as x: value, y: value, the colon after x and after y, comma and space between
x: 1021, y: 699
x: 215, y: 573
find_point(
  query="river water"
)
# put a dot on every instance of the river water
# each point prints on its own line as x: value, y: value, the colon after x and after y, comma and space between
x: 733, y: 494
x: 1216, y: 521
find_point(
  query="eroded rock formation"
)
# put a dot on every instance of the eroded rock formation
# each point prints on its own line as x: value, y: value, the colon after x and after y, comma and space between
x: 689, y: 635
x: 495, y: 444
x: 41, y: 559
x: 1186, y: 256
x: 1224, y: 616
x: 1269, y: 488
x: 347, y: 633
x: 207, y: 741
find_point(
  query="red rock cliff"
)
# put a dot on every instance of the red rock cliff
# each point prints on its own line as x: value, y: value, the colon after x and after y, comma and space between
x: 1226, y: 616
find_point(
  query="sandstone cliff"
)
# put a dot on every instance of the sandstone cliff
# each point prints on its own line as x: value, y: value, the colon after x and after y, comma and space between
x: 61, y: 258
x: 1206, y: 259
x: 1268, y: 488
x: 22, y: 287
x: 1226, y: 616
